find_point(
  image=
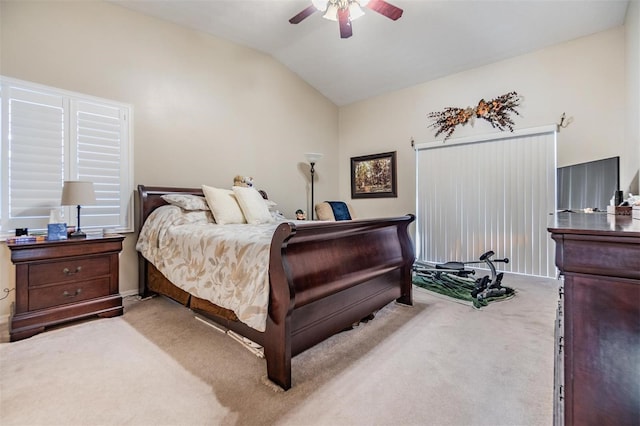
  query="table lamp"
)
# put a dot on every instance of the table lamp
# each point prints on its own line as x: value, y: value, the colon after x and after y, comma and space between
x: 78, y: 193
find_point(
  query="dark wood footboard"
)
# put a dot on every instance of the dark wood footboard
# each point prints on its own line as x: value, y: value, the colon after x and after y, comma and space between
x: 324, y: 276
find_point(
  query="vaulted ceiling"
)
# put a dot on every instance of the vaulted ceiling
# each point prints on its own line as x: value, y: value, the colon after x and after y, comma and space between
x: 432, y: 39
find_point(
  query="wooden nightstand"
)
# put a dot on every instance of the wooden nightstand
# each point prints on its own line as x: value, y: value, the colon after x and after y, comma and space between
x: 60, y: 281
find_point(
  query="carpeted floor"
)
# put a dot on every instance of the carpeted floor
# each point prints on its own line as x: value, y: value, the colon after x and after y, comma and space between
x: 436, y: 363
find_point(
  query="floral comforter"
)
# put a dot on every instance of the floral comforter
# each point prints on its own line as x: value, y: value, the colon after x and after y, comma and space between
x: 225, y: 264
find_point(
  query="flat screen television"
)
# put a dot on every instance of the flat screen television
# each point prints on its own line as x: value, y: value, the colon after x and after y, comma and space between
x: 588, y: 185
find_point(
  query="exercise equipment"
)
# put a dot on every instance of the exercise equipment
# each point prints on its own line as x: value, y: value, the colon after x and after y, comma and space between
x: 481, y: 289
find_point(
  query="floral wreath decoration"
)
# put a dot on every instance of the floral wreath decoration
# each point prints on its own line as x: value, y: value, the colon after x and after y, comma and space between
x: 496, y: 111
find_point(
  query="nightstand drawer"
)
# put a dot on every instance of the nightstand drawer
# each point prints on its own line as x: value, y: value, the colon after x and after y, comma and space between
x: 55, y: 295
x: 68, y: 270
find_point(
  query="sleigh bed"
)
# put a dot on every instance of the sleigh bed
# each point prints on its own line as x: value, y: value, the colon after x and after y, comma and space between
x: 322, y: 278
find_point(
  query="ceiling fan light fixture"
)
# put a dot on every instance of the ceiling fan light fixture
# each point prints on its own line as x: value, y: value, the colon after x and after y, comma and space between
x: 346, y: 11
x: 355, y: 11
x: 321, y: 5
x: 332, y: 12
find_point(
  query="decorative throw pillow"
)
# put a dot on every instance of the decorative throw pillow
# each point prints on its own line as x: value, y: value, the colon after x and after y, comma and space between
x: 253, y: 205
x: 186, y: 201
x: 223, y: 205
x: 324, y: 211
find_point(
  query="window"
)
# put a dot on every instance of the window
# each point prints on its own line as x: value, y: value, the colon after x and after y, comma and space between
x: 49, y: 136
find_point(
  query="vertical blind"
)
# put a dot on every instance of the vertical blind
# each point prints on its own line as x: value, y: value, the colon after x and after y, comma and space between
x: 489, y: 193
x: 49, y: 136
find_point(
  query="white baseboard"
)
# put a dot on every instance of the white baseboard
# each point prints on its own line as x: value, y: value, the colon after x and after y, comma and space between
x: 4, y: 328
x: 129, y: 293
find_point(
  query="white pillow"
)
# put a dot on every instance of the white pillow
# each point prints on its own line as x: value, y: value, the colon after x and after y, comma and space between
x: 223, y: 205
x: 252, y: 204
x: 186, y: 201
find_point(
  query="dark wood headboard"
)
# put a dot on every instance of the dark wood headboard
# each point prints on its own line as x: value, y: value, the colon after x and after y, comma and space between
x: 150, y: 198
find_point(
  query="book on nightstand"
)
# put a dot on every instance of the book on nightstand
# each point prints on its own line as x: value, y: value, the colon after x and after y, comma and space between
x: 25, y: 239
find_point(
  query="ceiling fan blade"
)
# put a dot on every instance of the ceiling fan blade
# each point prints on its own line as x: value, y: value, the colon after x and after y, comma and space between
x: 345, y: 23
x: 386, y: 9
x: 302, y: 15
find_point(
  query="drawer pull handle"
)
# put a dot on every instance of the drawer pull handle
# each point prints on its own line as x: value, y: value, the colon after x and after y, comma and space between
x: 70, y: 295
x: 66, y: 271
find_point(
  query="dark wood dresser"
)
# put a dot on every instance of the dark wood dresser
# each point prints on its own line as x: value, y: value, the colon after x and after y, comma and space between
x: 60, y: 281
x: 599, y: 313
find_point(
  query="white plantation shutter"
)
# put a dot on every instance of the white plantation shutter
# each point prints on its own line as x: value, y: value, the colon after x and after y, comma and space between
x: 49, y: 136
x: 99, y: 130
x: 36, y: 147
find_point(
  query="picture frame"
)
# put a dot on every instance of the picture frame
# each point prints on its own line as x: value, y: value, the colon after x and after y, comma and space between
x: 374, y: 176
x: 56, y: 231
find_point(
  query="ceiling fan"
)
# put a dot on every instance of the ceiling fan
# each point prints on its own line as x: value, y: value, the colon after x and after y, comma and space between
x: 345, y: 11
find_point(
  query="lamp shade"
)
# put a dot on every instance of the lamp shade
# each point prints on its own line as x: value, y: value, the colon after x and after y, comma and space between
x: 313, y: 157
x: 76, y: 193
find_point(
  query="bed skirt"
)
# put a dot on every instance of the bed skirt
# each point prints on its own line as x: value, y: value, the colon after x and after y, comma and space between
x: 158, y: 283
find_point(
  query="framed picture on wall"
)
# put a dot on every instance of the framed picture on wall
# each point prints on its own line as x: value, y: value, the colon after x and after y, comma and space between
x: 374, y: 176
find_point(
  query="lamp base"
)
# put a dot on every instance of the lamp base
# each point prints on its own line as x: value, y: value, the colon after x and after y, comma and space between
x: 77, y: 234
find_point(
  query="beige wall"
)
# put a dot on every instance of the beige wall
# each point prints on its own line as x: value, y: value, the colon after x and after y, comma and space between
x: 205, y: 109
x: 584, y: 78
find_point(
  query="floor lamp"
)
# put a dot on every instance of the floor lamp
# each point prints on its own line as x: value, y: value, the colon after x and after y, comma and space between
x: 312, y: 158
